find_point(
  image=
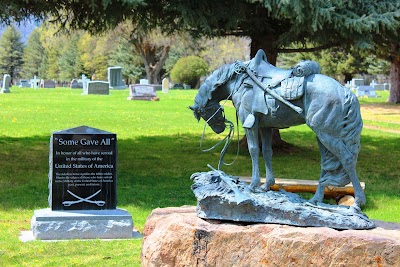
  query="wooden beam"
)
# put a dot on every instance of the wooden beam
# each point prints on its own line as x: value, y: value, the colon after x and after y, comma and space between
x: 308, y: 186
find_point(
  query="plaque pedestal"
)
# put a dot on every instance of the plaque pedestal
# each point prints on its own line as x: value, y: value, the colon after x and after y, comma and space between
x: 47, y: 224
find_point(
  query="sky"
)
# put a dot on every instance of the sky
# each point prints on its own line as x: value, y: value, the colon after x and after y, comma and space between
x: 25, y: 29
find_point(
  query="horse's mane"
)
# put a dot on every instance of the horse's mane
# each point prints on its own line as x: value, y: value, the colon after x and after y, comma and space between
x: 219, y: 77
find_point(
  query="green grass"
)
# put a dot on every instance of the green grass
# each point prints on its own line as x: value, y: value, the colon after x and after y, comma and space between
x: 158, y: 150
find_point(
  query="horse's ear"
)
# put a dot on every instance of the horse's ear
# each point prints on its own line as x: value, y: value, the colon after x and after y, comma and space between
x: 260, y: 56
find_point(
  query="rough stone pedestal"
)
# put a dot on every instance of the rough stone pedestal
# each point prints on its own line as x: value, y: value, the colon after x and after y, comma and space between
x: 81, y: 224
x: 177, y: 237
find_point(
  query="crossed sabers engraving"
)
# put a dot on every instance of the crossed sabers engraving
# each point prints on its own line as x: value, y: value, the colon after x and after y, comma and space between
x: 99, y: 203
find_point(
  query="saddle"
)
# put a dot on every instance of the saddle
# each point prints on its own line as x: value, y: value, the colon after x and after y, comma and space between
x: 288, y: 84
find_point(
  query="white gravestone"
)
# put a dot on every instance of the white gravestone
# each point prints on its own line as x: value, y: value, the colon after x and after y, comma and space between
x: 6, y: 84
x: 35, y: 82
x: 165, y: 85
x: 356, y: 82
x: 364, y: 90
x: 143, y: 81
x: 84, y: 81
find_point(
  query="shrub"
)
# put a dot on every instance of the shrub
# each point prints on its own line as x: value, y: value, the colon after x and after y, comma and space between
x: 188, y: 70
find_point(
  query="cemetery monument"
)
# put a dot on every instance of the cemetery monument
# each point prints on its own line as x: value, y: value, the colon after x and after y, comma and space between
x: 82, y: 188
x: 76, y: 84
x: 35, y: 82
x: 96, y: 88
x: 165, y: 85
x: 142, y: 92
x: 114, y: 75
x: 24, y: 84
x: 47, y: 84
x: 6, y: 84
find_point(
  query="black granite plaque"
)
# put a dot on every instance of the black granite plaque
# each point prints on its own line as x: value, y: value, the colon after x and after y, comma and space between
x: 83, y: 168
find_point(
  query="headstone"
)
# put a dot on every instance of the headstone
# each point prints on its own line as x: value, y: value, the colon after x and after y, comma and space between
x: 165, y: 85
x: 48, y: 84
x: 142, y: 92
x: 24, y: 84
x: 378, y: 87
x: 356, y: 82
x: 84, y: 81
x: 75, y: 84
x: 82, y: 185
x: 35, y: 82
x: 83, y: 169
x: 143, y: 81
x: 365, y: 90
x: 178, y: 86
x: 97, y: 88
x: 115, y: 78
x: 6, y: 84
x: 386, y: 86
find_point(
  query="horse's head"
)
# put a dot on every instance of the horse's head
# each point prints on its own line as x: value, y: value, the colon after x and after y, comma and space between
x: 212, y: 113
x: 211, y: 92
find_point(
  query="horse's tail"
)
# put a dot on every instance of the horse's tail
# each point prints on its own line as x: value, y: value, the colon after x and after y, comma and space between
x: 351, y: 126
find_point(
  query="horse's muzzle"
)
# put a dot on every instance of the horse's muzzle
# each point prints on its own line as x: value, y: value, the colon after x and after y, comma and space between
x: 217, y: 127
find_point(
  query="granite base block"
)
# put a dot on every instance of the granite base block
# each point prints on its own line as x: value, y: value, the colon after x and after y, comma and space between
x: 81, y: 224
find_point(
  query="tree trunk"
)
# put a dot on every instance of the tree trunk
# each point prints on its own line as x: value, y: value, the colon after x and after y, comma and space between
x: 152, y: 64
x: 394, y: 95
x: 267, y: 44
x: 348, y: 77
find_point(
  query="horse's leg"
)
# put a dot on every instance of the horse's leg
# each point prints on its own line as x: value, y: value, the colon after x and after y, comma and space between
x: 319, y: 193
x: 266, y: 137
x: 254, y: 150
x: 348, y: 160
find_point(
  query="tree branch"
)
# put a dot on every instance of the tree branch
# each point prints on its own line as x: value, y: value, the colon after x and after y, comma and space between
x: 307, y: 49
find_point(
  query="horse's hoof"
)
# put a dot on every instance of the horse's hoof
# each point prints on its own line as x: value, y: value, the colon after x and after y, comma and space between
x: 255, y: 189
x: 359, y: 202
x: 314, y: 201
x: 265, y: 187
x: 268, y: 184
x: 253, y: 185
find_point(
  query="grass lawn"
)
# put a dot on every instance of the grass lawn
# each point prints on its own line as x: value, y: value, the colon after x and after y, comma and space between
x: 158, y: 150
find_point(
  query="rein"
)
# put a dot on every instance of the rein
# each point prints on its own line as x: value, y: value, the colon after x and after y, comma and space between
x: 227, y: 138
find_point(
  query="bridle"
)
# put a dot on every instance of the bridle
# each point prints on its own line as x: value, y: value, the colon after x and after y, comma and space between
x: 228, y: 137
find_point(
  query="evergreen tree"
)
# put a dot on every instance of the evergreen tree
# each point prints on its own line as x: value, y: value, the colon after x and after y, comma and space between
x: 69, y: 62
x: 34, y: 57
x: 11, y: 50
x: 335, y: 62
x: 53, y: 43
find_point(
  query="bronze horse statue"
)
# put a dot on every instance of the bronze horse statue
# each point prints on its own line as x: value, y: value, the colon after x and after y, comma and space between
x: 266, y: 97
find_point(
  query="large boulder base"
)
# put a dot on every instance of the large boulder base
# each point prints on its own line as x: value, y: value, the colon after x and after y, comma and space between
x: 177, y: 237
